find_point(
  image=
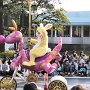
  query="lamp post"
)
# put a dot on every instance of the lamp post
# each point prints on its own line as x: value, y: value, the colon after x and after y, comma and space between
x: 29, y: 28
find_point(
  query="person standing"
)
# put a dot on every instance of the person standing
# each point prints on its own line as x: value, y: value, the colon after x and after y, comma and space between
x: 5, y: 67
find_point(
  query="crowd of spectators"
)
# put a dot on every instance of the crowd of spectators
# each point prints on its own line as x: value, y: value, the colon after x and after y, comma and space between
x: 68, y: 64
x: 73, y: 64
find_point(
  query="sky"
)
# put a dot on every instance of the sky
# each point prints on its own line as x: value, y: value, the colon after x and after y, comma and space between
x: 75, y: 5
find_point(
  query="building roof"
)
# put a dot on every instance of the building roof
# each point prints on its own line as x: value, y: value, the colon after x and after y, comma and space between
x: 78, y: 17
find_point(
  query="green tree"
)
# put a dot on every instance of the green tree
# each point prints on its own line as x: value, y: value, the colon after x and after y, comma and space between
x: 1, y: 24
x: 43, y: 11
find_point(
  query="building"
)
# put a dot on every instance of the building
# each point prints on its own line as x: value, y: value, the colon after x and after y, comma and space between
x: 76, y: 35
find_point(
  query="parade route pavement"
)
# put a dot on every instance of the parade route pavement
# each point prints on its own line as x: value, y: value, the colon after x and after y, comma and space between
x: 71, y: 82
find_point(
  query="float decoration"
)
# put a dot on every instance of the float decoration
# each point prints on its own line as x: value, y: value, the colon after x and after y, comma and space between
x: 40, y: 51
x: 42, y: 62
x: 5, y: 83
x: 41, y: 47
x: 2, y: 39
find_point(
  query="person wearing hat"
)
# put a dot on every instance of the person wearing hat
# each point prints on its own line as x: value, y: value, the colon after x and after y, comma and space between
x: 58, y: 83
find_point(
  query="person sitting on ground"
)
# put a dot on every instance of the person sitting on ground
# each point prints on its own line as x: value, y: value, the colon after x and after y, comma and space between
x: 66, y: 67
x: 74, y: 55
x: 81, y: 53
x: 65, y: 56
x: 73, y: 67
x: 79, y: 87
x: 82, y: 60
x: 88, y: 67
x: 82, y: 69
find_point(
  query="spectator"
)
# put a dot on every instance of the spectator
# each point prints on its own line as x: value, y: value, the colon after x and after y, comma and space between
x: 66, y: 57
x: 0, y: 66
x: 88, y: 67
x: 58, y: 71
x: 5, y: 67
x: 58, y: 61
x: 82, y: 69
x: 81, y: 53
x: 79, y: 87
x: 73, y: 67
x: 66, y: 67
x: 9, y: 62
x: 30, y: 86
x: 58, y: 58
x: 74, y: 56
x: 82, y: 59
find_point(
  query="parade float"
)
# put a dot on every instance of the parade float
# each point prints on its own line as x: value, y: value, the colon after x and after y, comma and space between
x: 2, y: 39
x: 40, y: 52
x: 36, y: 59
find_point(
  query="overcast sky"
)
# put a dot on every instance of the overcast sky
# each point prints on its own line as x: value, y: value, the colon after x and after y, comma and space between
x: 76, y: 5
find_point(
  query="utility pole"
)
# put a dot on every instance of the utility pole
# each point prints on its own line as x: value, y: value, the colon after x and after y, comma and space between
x: 2, y: 46
x: 29, y: 29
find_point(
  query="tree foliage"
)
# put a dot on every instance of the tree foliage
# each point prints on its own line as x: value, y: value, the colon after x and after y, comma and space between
x: 43, y: 11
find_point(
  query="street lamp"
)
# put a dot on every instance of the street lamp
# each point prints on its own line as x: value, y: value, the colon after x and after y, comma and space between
x: 29, y: 28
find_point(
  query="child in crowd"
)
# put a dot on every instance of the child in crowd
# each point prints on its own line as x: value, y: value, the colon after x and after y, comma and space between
x: 66, y: 67
x: 72, y: 68
x: 82, y: 69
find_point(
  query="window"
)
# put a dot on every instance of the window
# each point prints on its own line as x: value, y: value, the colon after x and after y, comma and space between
x: 76, y: 31
x: 86, y: 31
x: 66, y: 31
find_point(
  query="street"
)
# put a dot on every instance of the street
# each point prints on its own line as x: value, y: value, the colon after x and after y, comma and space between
x: 71, y: 82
